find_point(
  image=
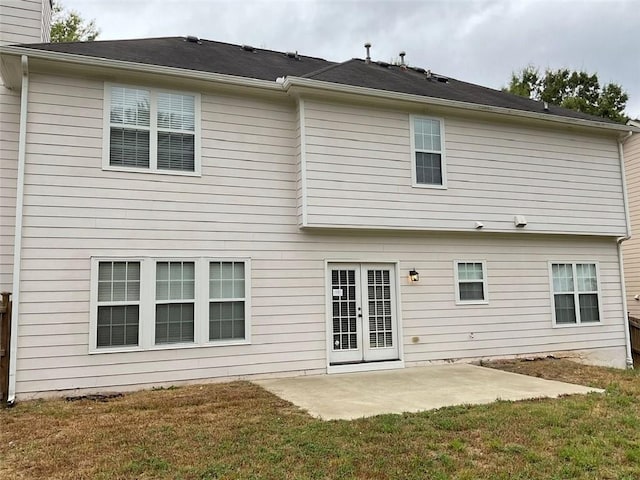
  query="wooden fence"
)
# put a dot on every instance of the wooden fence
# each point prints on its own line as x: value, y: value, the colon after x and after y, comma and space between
x: 634, y: 331
x: 5, y: 346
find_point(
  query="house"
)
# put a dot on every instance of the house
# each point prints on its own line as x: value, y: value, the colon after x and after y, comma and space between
x: 632, y: 246
x: 183, y: 210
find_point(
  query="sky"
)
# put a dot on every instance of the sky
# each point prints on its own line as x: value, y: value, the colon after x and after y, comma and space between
x: 478, y: 41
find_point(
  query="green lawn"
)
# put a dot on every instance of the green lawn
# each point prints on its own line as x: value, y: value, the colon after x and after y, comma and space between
x: 238, y: 430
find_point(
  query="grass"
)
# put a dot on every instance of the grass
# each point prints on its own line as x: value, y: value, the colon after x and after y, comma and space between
x: 240, y: 431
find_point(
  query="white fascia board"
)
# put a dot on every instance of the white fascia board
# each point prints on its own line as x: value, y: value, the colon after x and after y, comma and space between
x: 140, y: 67
x: 441, y: 102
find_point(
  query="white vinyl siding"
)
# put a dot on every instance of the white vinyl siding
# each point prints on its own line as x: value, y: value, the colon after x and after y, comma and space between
x: 428, y: 166
x: 575, y: 293
x: 631, y: 247
x: 244, y: 206
x: 24, y: 21
x: 151, y: 130
x: 9, y: 128
x: 471, y: 282
x: 358, y: 174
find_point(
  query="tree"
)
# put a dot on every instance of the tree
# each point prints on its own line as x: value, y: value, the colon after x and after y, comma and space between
x: 69, y: 26
x: 575, y: 90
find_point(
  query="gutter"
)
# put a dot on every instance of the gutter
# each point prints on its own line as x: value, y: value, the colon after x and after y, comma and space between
x: 623, y: 288
x: 17, y: 245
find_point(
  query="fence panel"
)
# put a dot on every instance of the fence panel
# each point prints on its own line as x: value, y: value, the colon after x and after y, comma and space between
x: 5, y: 346
x: 634, y: 331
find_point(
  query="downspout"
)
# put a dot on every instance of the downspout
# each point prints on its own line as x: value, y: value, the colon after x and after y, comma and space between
x: 17, y: 244
x: 627, y: 338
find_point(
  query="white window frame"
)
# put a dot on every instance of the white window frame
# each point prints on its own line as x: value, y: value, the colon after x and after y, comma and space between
x: 485, y: 283
x: 147, y: 304
x: 443, y: 161
x: 576, y: 294
x: 246, y: 299
x: 196, y: 266
x: 93, y: 318
x: 153, y: 132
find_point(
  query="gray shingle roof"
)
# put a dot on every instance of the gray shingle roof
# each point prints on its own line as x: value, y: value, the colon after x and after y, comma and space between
x: 203, y: 56
x: 229, y: 59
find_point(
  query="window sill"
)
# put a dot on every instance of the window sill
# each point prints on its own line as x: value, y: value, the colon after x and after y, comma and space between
x: 169, y: 346
x: 472, y: 302
x: 111, y: 168
x: 424, y: 185
x: 573, y: 325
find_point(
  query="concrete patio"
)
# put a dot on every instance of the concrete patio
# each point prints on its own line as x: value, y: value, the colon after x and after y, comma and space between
x: 355, y: 395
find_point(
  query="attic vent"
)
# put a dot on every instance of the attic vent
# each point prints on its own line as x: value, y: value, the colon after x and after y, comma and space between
x: 384, y: 64
x: 293, y: 55
x: 435, y: 78
x: 248, y: 48
x: 418, y: 69
x: 193, y: 39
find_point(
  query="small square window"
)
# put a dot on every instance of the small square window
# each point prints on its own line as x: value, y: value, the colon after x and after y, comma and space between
x: 575, y: 293
x: 471, y: 282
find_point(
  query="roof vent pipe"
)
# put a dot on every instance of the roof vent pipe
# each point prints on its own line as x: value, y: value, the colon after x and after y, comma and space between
x: 402, y: 54
x: 368, y: 46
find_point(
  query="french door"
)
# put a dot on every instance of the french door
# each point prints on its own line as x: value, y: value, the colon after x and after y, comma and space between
x: 363, y: 318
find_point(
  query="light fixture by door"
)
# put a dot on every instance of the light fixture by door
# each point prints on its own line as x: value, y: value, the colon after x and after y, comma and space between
x: 414, y: 276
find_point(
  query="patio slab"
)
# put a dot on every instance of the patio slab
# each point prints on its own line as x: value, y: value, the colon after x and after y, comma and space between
x: 349, y: 396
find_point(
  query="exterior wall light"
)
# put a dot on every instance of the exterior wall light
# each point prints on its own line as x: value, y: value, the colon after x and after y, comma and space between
x: 414, y: 276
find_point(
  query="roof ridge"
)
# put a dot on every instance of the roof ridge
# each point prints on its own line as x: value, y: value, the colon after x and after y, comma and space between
x: 327, y: 68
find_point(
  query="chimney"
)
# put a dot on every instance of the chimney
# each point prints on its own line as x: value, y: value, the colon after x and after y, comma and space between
x: 402, y: 54
x: 367, y: 46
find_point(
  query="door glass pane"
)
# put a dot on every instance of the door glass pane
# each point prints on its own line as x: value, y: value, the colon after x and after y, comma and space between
x: 344, y: 318
x: 379, y: 302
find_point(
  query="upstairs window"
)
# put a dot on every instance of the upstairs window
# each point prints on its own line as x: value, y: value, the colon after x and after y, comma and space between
x: 575, y: 293
x: 427, y: 140
x: 151, y: 130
